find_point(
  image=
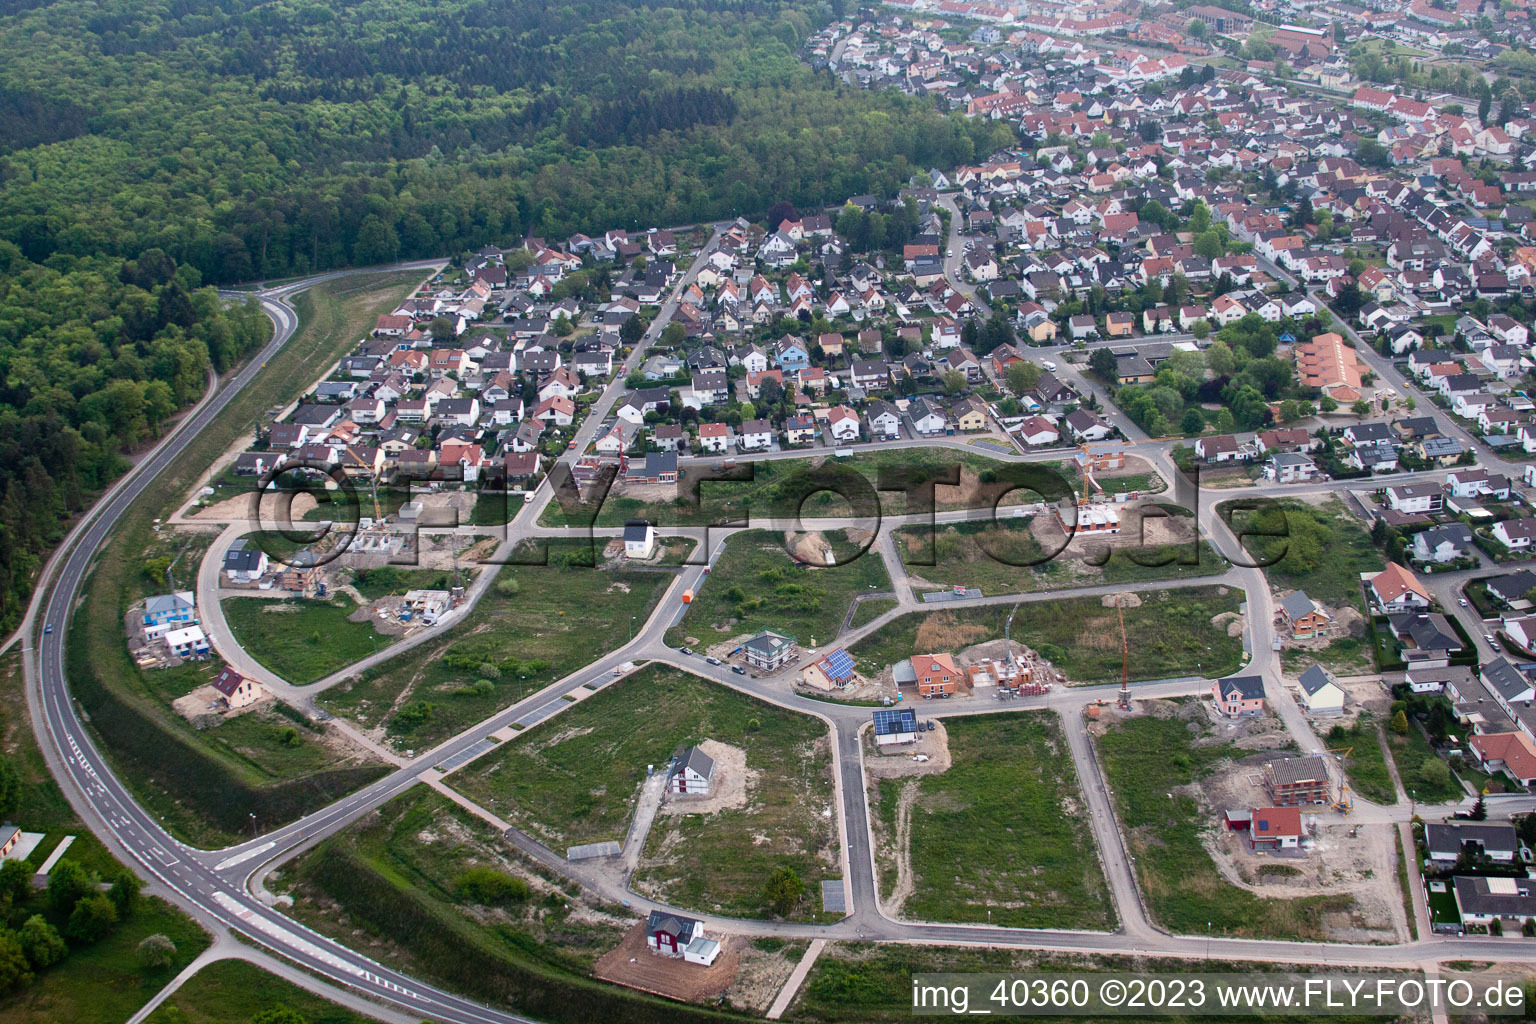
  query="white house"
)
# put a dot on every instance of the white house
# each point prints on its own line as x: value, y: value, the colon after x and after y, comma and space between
x: 1320, y: 695
x: 843, y: 423
x: 691, y: 773
x: 714, y: 437
x: 1515, y: 534
x: 187, y: 642
x: 244, y: 564
x: 639, y: 539
x: 1410, y: 499
x: 1395, y: 589
x: 755, y: 435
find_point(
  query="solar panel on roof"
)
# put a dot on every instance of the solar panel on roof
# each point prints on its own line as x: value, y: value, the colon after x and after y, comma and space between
x: 895, y: 720
x: 839, y: 664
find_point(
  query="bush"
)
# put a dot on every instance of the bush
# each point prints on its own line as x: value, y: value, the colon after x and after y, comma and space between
x: 68, y: 883
x: 157, y: 951
x: 489, y: 671
x: 14, y: 972
x: 42, y: 943
x: 93, y: 919
x: 783, y: 890
x: 1400, y: 722
x: 486, y: 885
x: 412, y: 716
x: 508, y: 587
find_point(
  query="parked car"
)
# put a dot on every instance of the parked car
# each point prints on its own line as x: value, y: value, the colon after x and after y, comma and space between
x: 738, y: 670
x: 686, y: 650
x: 713, y: 661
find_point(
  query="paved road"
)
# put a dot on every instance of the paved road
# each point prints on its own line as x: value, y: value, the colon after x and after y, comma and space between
x: 213, y: 884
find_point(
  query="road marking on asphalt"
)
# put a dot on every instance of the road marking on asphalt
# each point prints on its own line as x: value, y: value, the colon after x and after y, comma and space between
x: 163, y: 857
x: 241, y: 858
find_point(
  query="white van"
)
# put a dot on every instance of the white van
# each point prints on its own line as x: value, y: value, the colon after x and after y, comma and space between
x: 1048, y: 365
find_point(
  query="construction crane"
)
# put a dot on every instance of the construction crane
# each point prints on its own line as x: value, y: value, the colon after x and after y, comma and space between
x: 1345, y: 803
x: 1125, y: 658
x: 1013, y: 663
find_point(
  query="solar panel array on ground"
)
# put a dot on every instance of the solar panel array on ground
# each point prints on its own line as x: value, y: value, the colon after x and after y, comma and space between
x: 890, y: 721
x: 465, y: 756
x: 833, y: 897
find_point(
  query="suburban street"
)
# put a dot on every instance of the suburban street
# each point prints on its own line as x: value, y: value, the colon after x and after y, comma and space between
x: 224, y: 888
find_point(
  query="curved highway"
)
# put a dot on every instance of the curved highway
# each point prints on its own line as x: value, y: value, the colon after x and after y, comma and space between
x: 107, y: 805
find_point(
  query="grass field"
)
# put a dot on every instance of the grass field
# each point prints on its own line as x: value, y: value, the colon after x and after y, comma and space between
x: 1366, y: 766
x: 101, y: 983
x: 201, y: 792
x: 1412, y: 754
x: 234, y: 991
x: 1147, y: 758
x: 1001, y: 836
x: 536, y: 624
x: 392, y: 882
x: 1170, y: 634
x: 869, y: 611
x: 1324, y: 551
x: 574, y: 779
x: 872, y: 983
x: 1003, y: 557
x: 777, y: 486
x: 756, y: 584
x: 302, y: 640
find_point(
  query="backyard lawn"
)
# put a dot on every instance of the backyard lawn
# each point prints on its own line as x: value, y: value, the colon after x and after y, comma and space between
x: 1002, y: 835
x: 756, y: 584
x: 302, y: 640
x: 1146, y: 759
x: 574, y: 779
x: 1170, y: 634
x: 534, y: 625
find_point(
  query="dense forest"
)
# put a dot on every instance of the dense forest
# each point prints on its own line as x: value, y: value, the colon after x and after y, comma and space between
x: 150, y: 146
x: 95, y: 353
x: 252, y: 139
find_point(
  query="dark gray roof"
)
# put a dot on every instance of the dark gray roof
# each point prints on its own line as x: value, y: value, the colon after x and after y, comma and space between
x: 1297, y: 604
x: 1251, y: 687
x: 1450, y: 836
x: 682, y: 928
x: 1506, y: 681
x: 1428, y: 632
x: 636, y: 530
x: 1314, y: 679
x: 1473, y: 896
x: 701, y: 763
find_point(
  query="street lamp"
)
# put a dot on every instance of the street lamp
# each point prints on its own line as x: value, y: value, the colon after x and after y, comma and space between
x: 253, y: 825
x: 1207, y: 942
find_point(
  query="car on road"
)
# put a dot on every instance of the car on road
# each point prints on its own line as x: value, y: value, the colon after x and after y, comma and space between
x: 738, y: 670
x: 714, y: 661
x: 1491, y: 640
x: 48, y: 629
x: 949, y: 254
x: 686, y: 650
x: 1048, y: 365
x: 1462, y: 602
x: 571, y: 446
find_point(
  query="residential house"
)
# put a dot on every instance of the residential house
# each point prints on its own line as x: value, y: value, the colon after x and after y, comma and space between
x: 1305, y: 617
x: 714, y: 437
x: 639, y: 539
x: 1293, y: 781
x: 1515, y: 534
x: 769, y: 651
x: 235, y: 690
x: 937, y: 675
x: 1442, y: 544
x: 1395, y: 589
x: 1239, y: 695
x: 1416, y: 499
x: 755, y: 435
x: 1320, y: 695
x: 690, y: 773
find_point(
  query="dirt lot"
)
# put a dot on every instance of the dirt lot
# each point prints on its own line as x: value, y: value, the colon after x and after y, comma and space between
x: 900, y: 760
x: 1138, y: 529
x: 728, y: 788
x: 633, y: 964
x: 761, y: 974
